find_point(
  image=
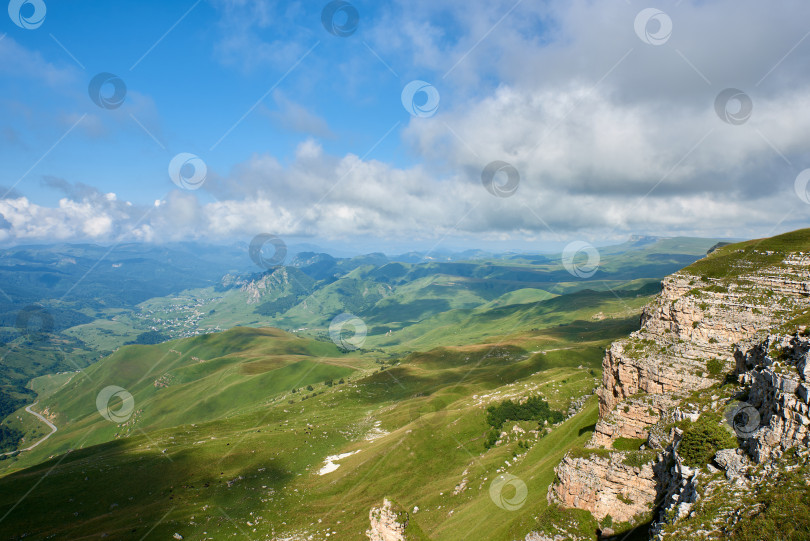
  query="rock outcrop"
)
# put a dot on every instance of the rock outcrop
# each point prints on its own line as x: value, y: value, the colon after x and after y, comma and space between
x: 778, y: 402
x: 698, y: 333
x: 606, y: 485
x: 386, y: 524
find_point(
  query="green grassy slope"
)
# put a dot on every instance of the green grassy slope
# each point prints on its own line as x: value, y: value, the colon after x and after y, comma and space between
x: 218, y: 446
x: 190, y: 380
x: 182, y: 450
x: 729, y: 262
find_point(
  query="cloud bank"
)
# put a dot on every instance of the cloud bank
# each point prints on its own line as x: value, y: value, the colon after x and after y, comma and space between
x: 609, y: 134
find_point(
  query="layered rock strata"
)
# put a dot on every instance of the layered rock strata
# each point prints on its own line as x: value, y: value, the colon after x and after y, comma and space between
x: 695, y: 334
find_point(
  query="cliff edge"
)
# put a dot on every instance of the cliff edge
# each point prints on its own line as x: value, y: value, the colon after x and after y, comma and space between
x: 706, y: 402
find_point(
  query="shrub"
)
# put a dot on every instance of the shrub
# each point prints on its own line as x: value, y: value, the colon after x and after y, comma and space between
x: 715, y: 366
x: 624, y: 499
x: 492, y: 437
x: 534, y: 409
x: 702, y: 439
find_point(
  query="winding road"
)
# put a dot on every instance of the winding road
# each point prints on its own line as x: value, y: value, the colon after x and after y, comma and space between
x: 44, y: 420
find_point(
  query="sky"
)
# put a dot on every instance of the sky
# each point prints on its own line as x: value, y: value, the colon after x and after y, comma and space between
x: 517, y: 124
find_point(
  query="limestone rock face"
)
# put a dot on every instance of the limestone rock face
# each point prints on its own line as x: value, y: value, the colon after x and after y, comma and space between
x: 780, y: 394
x: 605, y: 486
x: 385, y: 524
x: 734, y: 462
x: 696, y: 332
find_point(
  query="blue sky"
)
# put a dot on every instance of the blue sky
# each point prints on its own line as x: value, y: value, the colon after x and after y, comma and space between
x: 188, y: 91
x: 609, y: 123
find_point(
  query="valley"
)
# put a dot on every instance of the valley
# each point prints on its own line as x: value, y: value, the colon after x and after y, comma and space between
x: 266, y: 433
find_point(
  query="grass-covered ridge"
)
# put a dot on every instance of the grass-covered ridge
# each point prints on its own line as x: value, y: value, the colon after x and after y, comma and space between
x: 231, y: 431
x: 226, y: 436
x: 730, y: 261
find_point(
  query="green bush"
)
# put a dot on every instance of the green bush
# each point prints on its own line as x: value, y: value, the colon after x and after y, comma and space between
x: 492, y: 437
x: 715, y: 367
x: 534, y: 409
x: 702, y: 439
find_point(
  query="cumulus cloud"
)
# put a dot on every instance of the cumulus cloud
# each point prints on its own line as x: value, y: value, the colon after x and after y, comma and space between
x: 610, y: 135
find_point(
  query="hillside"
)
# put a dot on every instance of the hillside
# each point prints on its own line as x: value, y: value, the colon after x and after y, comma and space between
x: 703, y: 411
x: 45, y: 290
x: 262, y: 432
x: 397, y: 300
x: 217, y: 438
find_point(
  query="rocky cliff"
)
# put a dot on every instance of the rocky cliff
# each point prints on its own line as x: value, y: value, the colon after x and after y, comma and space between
x: 719, y: 366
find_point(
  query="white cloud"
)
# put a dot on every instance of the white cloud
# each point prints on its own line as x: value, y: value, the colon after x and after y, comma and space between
x: 610, y: 135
